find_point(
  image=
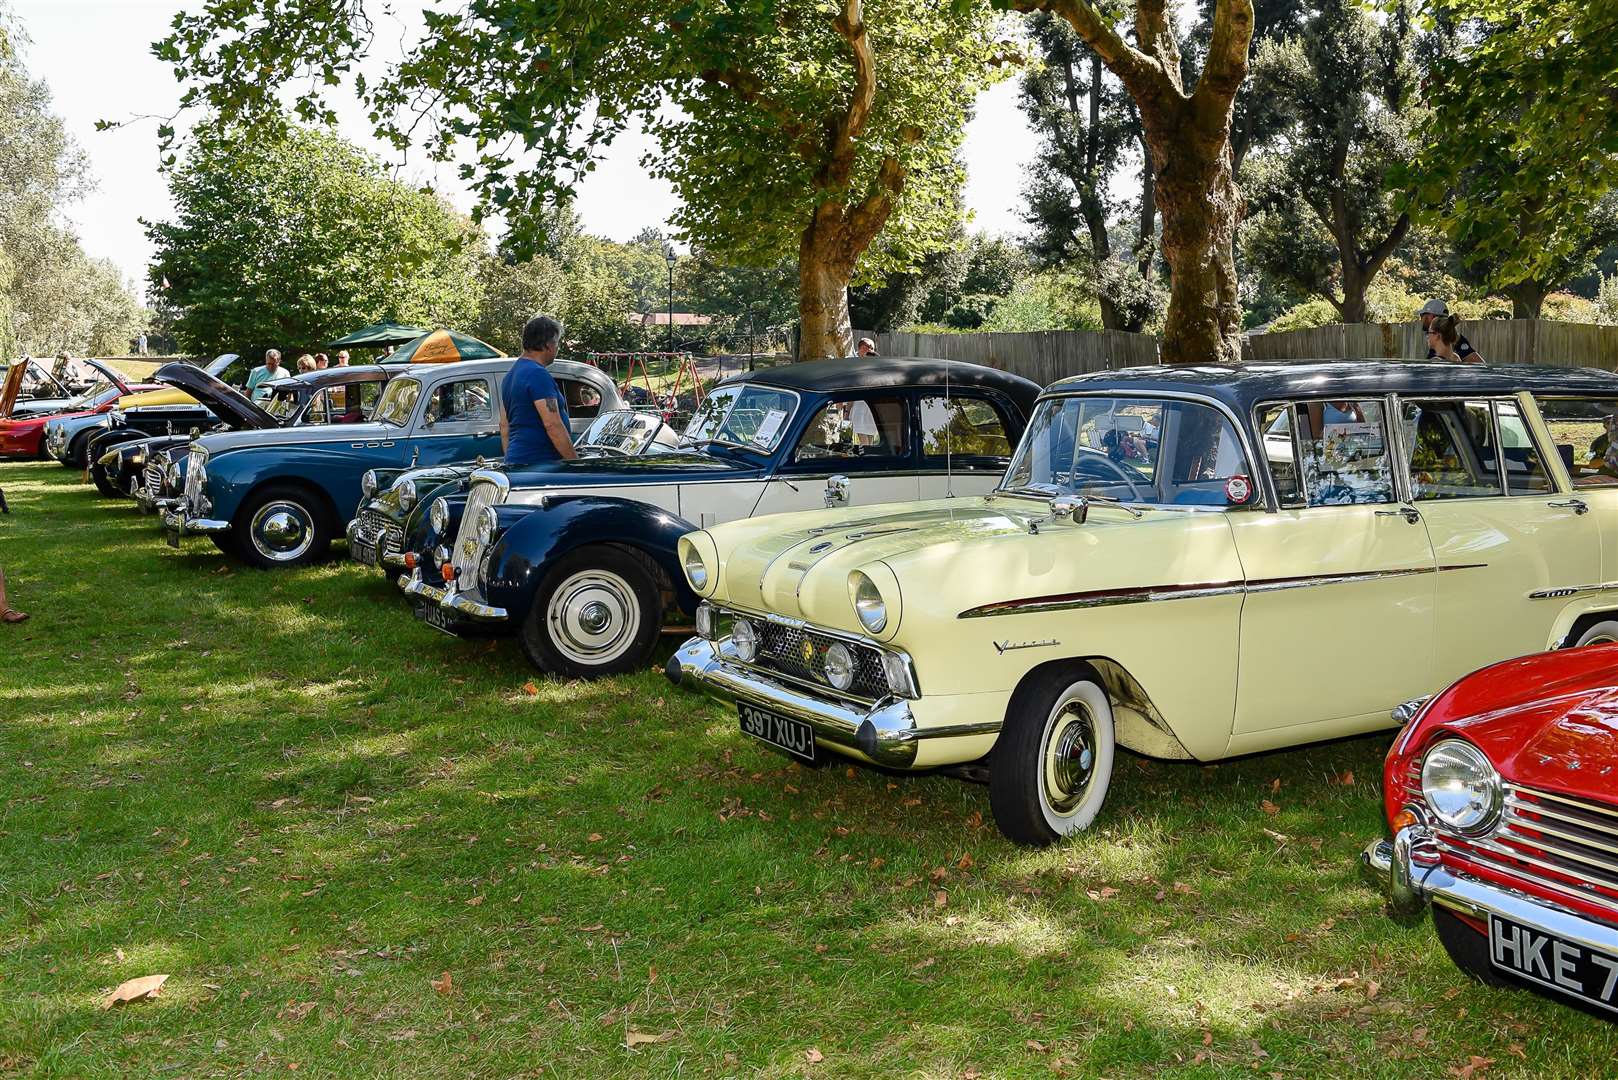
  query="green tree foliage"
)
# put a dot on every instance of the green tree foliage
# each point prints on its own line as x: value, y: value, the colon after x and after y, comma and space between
x: 1321, y: 214
x: 1526, y: 134
x: 750, y: 304
x: 802, y: 126
x: 289, y: 236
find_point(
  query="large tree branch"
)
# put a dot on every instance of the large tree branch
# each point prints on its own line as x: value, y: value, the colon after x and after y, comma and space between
x: 1381, y: 252
x: 1226, y: 66
x: 1138, y: 71
x: 845, y: 129
x: 1154, y: 33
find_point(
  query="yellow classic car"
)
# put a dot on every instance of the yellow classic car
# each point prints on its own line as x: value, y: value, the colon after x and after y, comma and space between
x: 1188, y: 563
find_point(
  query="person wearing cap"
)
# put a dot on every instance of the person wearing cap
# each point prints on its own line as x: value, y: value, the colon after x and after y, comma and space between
x: 1444, y: 342
x: 866, y: 347
x: 1461, y: 349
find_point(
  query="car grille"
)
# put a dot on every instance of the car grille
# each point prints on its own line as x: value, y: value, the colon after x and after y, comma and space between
x: 800, y: 654
x: 467, y: 552
x: 154, y: 476
x: 378, y: 530
x: 195, y: 469
x: 1561, y: 843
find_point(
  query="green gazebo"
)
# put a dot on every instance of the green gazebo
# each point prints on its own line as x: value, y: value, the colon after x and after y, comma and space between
x: 377, y: 336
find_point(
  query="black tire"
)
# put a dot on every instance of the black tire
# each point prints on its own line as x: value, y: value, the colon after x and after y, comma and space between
x: 1052, y: 765
x: 104, y: 483
x: 280, y: 525
x: 77, y: 453
x: 597, y: 582
x: 1468, y: 948
x: 1602, y: 633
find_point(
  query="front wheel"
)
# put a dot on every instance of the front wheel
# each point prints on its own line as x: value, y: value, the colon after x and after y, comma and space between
x: 1602, y: 633
x: 598, y: 612
x: 105, y: 483
x: 281, y: 525
x: 1052, y: 764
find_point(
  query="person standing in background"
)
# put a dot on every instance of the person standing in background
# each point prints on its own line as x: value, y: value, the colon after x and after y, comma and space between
x: 533, y: 413
x: 7, y: 612
x: 342, y: 358
x: 322, y: 361
x: 1444, y: 342
x: 1437, y: 309
x: 271, y: 371
x: 306, y: 363
x: 140, y: 344
x: 866, y: 347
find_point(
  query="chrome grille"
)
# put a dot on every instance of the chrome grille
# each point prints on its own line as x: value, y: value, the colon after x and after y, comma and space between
x: 467, y: 552
x: 378, y: 530
x: 800, y: 654
x: 154, y: 476
x: 195, y: 468
x: 1559, y: 842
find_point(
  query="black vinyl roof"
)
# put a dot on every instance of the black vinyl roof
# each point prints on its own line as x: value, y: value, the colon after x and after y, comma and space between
x: 1242, y: 387
x: 340, y: 376
x: 874, y: 372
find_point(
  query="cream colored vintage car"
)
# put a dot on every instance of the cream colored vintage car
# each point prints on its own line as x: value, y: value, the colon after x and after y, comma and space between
x: 1192, y: 563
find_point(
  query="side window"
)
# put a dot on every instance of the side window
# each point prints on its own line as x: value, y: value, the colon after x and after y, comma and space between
x: 966, y: 426
x: 1583, y: 431
x: 1452, y: 450
x: 465, y: 401
x: 1341, y: 452
x: 583, y: 400
x: 860, y: 428
x: 320, y: 409
x: 1525, y: 470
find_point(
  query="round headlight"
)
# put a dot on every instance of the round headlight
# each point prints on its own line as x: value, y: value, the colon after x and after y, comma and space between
x: 368, y: 483
x: 405, y: 489
x: 868, y: 603
x: 745, y: 640
x: 696, y: 571
x: 438, y: 515
x: 840, y: 666
x: 487, y: 520
x: 171, y: 475
x: 1461, y: 787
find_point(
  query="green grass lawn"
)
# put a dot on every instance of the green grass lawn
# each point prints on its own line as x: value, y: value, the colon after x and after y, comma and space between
x: 307, y: 808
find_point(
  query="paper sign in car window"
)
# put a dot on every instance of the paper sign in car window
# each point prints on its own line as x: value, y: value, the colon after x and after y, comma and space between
x: 768, y: 428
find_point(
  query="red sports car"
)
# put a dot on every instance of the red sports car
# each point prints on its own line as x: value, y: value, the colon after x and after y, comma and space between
x: 1501, y: 795
x: 22, y: 436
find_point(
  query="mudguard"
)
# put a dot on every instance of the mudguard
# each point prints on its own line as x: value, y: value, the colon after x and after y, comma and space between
x: 100, y: 444
x: 532, y: 542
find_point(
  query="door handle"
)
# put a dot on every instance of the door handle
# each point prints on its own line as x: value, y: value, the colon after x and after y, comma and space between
x: 1578, y: 506
x: 1409, y: 513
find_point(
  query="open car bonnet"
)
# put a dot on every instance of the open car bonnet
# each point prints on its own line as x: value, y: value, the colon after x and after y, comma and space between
x: 228, y: 404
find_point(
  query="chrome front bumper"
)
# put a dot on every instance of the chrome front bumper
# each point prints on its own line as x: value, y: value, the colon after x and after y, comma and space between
x: 457, y: 603
x: 175, y: 518
x: 886, y: 733
x: 1406, y: 869
x: 386, y: 557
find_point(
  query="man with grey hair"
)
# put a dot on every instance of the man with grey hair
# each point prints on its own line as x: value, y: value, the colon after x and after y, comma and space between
x: 533, y: 412
x: 268, y: 373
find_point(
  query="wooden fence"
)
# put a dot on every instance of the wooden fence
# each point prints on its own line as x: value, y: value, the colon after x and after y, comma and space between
x: 1043, y: 356
x: 1499, y: 341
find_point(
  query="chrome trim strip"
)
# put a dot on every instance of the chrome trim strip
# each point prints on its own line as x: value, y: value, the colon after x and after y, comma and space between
x: 1148, y: 593
x: 1562, y: 591
x: 1513, y: 803
x: 1579, y: 804
x: 1540, y: 844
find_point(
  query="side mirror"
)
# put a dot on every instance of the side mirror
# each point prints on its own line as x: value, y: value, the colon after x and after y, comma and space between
x: 836, y: 491
x: 1068, y: 508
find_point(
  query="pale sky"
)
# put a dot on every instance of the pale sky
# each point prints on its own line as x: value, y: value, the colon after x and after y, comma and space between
x: 95, y: 56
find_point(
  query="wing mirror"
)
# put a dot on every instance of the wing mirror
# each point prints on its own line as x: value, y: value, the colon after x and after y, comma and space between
x: 1068, y: 508
x: 836, y: 491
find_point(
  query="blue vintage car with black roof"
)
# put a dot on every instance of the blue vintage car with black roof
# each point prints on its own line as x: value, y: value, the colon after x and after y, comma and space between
x: 577, y: 559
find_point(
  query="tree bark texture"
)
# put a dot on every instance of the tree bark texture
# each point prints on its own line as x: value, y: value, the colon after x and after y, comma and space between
x: 1188, y: 136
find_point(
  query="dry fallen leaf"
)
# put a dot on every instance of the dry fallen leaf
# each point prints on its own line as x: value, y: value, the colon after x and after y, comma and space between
x: 1268, y: 807
x: 595, y: 838
x: 941, y: 898
x: 142, y: 989
x: 444, y: 984
x: 476, y: 901
x: 812, y: 1055
x: 640, y: 1038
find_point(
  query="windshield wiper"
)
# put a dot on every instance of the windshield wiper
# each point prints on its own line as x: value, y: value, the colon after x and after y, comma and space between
x: 1029, y: 491
x: 1112, y: 500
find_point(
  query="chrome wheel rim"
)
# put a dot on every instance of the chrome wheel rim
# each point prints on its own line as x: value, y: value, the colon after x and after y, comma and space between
x: 282, y: 531
x: 1069, y: 757
x: 594, y: 617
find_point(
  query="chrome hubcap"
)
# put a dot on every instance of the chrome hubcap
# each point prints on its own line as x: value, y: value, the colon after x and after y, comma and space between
x: 593, y: 617
x: 282, y: 531
x: 1070, y: 757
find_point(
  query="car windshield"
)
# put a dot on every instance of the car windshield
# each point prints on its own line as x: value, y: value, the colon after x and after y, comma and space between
x: 398, y: 402
x: 96, y: 395
x: 747, y: 416
x: 623, y: 431
x: 1148, y: 451
x: 284, y: 404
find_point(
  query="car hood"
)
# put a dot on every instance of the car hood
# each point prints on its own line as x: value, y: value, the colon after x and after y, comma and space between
x: 314, y: 435
x: 530, y: 481
x: 36, y: 407
x: 43, y: 419
x: 232, y: 407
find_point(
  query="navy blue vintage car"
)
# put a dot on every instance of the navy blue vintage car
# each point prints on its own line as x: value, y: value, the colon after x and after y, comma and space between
x: 577, y: 559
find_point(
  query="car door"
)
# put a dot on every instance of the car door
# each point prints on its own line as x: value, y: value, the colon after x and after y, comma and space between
x: 1337, y: 623
x: 966, y: 443
x: 456, y: 420
x: 865, y: 436
x: 1583, y: 434
x: 1501, y: 532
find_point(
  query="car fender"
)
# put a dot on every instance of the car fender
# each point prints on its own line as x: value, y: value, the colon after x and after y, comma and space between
x: 234, y: 475
x: 114, y: 437
x: 527, y: 547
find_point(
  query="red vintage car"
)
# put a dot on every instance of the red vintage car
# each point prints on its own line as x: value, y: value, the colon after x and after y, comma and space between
x: 1501, y: 797
x: 22, y: 435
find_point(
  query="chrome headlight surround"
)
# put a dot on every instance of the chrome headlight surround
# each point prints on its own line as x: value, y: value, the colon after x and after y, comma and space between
x: 900, y: 672
x: 486, y: 523
x: 744, y: 639
x: 438, y: 515
x: 696, y: 568
x: 405, y: 489
x: 838, y: 664
x: 171, y: 476
x: 368, y: 484
x: 1461, y: 787
x: 869, y: 606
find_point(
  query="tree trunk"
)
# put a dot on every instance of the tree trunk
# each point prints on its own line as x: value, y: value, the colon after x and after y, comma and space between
x: 1527, y: 299
x: 1200, y: 211
x: 1354, y: 286
x: 1111, y: 317
x: 823, y: 274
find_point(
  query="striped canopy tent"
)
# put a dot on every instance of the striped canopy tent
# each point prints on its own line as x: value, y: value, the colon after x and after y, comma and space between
x: 377, y: 336
x: 443, y: 347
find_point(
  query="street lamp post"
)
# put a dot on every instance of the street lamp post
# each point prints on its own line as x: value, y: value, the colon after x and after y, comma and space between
x: 668, y: 255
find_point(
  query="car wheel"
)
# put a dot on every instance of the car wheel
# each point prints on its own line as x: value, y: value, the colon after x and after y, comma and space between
x: 282, y: 525
x: 1602, y: 633
x: 104, y: 483
x: 1052, y: 764
x: 77, y: 453
x: 598, y: 612
x: 1468, y: 948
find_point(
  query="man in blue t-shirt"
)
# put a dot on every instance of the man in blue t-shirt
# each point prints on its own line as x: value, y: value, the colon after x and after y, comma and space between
x: 533, y: 413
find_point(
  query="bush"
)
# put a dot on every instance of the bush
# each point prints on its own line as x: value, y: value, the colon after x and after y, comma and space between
x: 1305, y: 316
x: 1607, y: 301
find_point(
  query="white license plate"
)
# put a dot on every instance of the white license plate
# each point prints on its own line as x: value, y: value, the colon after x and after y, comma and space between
x: 791, y: 736
x: 1547, y: 960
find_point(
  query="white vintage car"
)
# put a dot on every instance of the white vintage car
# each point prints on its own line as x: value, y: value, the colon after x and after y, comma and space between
x: 1256, y: 558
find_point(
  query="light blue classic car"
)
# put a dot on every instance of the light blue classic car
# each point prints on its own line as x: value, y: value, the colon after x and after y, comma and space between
x: 279, y: 497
